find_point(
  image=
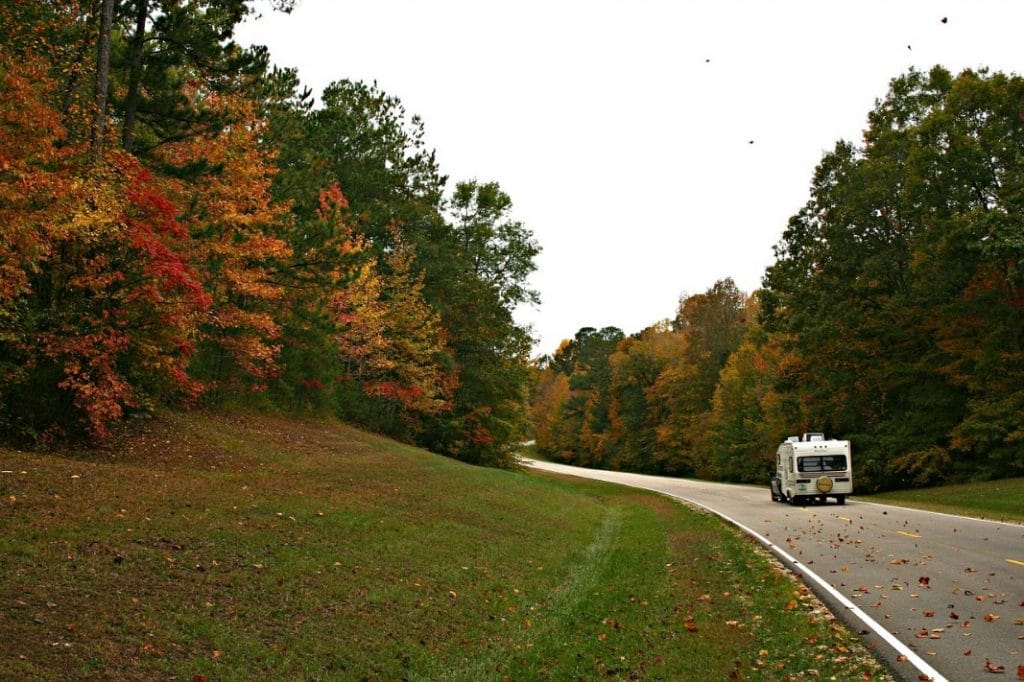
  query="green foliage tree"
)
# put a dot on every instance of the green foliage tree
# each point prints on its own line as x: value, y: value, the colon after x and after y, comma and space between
x: 471, y: 257
x: 749, y: 414
x: 713, y: 325
x: 584, y: 418
x: 636, y: 366
x: 363, y: 140
x: 483, y: 258
x: 897, y: 284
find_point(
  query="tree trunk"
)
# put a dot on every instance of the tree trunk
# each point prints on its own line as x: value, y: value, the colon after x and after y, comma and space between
x: 99, y: 124
x: 135, y: 75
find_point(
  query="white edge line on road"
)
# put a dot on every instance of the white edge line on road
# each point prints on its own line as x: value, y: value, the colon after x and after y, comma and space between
x: 1012, y: 524
x: 915, y: 660
x: 870, y: 622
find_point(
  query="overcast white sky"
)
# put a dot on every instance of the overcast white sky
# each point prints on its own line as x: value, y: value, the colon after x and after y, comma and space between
x: 621, y: 128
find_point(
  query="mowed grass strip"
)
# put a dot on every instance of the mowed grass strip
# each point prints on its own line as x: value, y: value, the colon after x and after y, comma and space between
x: 244, y: 547
x: 995, y: 500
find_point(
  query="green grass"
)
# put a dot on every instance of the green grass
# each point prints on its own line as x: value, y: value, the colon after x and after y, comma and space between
x: 998, y: 500
x: 236, y: 548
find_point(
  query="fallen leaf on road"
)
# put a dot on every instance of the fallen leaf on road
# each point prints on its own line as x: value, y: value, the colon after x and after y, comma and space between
x: 993, y: 668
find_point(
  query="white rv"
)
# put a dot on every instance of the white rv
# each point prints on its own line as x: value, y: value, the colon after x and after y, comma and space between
x: 809, y: 468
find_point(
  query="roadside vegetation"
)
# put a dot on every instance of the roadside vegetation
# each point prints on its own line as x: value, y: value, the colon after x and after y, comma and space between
x: 996, y: 500
x: 233, y: 547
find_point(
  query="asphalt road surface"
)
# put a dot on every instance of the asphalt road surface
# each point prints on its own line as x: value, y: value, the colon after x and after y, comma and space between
x: 936, y: 596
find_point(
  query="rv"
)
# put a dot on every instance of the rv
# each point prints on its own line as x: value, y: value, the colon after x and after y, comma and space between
x: 809, y: 468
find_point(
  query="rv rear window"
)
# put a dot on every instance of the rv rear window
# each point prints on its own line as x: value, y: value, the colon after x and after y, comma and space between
x: 822, y: 463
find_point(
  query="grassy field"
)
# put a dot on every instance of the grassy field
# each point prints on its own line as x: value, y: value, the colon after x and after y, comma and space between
x: 997, y: 500
x: 207, y: 547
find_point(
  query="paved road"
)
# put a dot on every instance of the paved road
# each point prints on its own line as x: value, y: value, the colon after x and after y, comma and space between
x: 936, y: 596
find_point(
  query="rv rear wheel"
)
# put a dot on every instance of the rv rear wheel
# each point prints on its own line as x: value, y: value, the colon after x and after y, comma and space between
x: 841, y: 499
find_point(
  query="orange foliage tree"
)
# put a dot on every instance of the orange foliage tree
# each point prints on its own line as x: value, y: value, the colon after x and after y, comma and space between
x: 235, y: 227
x: 390, y: 340
x: 98, y: 301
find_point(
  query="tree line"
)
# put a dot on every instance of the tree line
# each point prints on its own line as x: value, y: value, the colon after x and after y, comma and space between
x: 893, y: 315
x: 183, y: 224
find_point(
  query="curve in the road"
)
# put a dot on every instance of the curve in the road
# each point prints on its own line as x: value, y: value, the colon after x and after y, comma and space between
x: 906, y: 654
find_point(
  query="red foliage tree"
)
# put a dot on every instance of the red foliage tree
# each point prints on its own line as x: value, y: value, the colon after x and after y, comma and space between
x: 98, y: 302
x: 234, y: 226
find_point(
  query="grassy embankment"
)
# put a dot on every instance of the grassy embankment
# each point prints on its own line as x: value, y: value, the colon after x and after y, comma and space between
x: 996, y: 500
x: 212, y: 547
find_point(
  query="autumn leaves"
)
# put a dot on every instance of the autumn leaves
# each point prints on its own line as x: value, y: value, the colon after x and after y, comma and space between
x: 231, y: 240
